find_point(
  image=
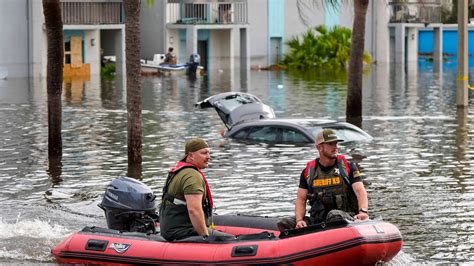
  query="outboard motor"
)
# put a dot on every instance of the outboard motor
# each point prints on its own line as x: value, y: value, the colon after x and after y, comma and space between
x: 194, y: 61
x: 129, y: 205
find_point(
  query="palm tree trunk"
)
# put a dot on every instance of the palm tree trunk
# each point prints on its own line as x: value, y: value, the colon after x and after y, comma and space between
x: 54, y: 80
x: 134, y: 87
x: 354, y: 87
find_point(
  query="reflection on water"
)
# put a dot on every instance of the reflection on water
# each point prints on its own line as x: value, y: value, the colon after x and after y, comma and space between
x: 418, y: 168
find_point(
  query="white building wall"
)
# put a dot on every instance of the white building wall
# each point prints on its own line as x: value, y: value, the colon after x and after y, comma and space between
x: 14, y: 55
x: 294, y: 26
x: 152, y: 29
x: 376, y: 27
x: 380, y: 32
x: 258, y: 31
x: 38, y: 40
x: 92, y: 43
x: 412, y: 44
x: 346, y: 16
x: 220, y: 54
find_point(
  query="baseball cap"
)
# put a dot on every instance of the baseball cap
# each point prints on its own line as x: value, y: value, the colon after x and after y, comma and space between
x: 193, y: 145
x: 326, y: 135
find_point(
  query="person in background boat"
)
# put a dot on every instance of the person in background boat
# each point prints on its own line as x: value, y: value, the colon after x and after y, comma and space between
x: 186, y: 205
x: 170, y: 57
x: 332, y: 185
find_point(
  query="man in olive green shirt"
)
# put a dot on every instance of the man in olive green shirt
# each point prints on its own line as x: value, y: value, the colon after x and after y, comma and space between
x: 187, y: 201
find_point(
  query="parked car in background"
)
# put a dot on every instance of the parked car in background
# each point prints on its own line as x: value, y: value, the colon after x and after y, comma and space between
x: 247, y: 118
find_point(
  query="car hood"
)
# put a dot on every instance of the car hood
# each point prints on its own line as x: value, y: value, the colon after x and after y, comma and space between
x: 235, y: 107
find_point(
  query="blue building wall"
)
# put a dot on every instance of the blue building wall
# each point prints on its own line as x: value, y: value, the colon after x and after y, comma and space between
x: 276, y: 18
x: 276, y: 26
x: 331, y: 17
x: 450, y: 42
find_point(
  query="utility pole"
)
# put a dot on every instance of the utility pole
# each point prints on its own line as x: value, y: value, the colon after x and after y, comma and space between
x: 462, y: 92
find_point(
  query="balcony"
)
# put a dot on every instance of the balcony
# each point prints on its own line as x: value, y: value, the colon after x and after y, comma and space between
x: 415, y: 11
x: 93, y: 12
x: 207, y: 12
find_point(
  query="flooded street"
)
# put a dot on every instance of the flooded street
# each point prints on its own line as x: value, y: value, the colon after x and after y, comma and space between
x: 418, y: 170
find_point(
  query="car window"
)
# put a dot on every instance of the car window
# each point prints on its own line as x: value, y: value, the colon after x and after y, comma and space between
x: 347, y: 134
x: 263, y: 134
x: 241, y: 134
x: 293, y: 136
x: 351, y: 135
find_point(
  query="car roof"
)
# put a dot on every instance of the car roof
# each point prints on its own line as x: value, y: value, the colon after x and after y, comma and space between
x: 310, y: 127
x: 235, y: 107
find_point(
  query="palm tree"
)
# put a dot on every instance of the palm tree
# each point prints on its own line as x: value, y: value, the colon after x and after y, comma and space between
x: 354, y: 86
x: 54, y: 82
x: 134, y: 87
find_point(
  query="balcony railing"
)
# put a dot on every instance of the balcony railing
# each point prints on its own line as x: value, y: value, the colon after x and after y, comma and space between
x: 415, y: 12
x: 207, y: 12
x: 79, y: 12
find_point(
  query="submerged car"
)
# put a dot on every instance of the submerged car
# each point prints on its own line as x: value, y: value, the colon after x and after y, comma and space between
x: 247, y: 118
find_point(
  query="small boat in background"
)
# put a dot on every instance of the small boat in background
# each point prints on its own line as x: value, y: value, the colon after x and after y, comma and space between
x: 156, y: 66
x: 171, y: 69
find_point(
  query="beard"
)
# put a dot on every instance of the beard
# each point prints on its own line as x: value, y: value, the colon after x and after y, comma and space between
x: 330, y: 155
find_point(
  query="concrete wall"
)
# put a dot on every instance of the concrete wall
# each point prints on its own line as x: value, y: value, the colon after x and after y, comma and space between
x: 294, y: 26
x: 14, y: 52
x: 376, y: 27
x: 377, y: 31
x: 258, y: 31
x: 92, y: 48
x: 152, y: 30
x: 220, y: 54
x: 37, y: 42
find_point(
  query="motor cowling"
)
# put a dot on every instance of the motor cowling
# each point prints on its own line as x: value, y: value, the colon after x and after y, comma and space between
x: 129, y: 205
x: 195, y: 59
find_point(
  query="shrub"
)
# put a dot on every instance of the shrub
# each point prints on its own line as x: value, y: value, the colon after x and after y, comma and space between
x: 320, y: 47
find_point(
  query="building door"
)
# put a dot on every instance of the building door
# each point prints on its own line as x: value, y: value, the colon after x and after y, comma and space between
x: 275, y: 50
x: 202, y: 51
x: 76, y: 51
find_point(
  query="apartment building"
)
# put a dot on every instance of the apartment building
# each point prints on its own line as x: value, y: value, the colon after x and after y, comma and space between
x: 91, y: 29
x: 224, y: 32
x: 257, y: 31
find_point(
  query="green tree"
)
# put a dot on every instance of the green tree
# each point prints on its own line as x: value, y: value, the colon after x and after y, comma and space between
x: 134, y: 87
x: 54, y: 82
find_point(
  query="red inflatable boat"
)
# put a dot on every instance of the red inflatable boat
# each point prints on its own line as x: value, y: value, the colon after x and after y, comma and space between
x: 257, y: 242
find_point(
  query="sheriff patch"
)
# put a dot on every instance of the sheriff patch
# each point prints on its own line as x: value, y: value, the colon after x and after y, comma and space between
x: 325, y: 182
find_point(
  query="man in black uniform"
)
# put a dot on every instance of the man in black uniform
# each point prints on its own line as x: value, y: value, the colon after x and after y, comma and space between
x: 329, y: 183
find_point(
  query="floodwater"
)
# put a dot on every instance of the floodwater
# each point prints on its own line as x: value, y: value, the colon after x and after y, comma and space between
x: 418, y: 170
